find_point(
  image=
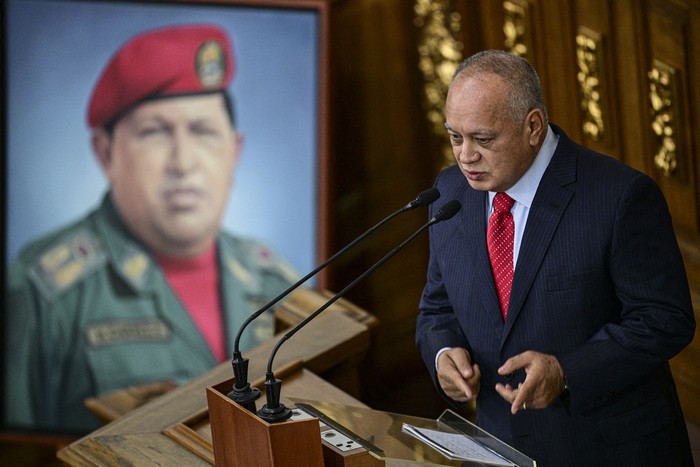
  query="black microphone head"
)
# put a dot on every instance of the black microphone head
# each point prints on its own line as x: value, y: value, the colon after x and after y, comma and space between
x: 447, y: 211
x: 424, y: 198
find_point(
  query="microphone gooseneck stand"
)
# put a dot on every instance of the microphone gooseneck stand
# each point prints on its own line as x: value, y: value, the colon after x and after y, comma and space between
x: 273, y: 411
x: 242, y: 392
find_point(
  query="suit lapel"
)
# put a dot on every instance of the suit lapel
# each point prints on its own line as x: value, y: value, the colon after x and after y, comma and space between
x: 548, y: 207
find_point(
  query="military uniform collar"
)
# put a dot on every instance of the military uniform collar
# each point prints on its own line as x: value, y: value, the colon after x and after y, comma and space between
x: 130, y: 258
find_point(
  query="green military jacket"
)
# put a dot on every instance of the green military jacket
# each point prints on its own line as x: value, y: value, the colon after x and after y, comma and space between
x: 89, y: 311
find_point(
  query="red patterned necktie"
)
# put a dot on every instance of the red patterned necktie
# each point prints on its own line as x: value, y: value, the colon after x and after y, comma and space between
x: 499, y: 237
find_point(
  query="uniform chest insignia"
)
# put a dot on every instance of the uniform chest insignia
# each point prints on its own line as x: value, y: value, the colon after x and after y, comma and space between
x: 240, y: 273
x: 67, y: 262
x: 134, y: 267
x: 126, y: 331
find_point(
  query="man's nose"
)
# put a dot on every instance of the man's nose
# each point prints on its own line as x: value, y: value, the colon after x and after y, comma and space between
x: 468, y: 153
x: 184, y: 152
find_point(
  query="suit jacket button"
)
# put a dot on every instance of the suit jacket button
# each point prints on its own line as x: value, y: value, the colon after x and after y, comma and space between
x: 509, y: 377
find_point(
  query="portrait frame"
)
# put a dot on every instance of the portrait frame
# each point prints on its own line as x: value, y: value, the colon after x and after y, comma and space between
x: 303, y: 226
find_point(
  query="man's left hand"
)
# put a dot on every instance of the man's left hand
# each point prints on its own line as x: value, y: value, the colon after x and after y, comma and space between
x: 544, y: 381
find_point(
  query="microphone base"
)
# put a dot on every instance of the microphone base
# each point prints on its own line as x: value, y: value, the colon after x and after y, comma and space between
x: 245, y: 397
x: 275, y: 415
x: 274, y: 411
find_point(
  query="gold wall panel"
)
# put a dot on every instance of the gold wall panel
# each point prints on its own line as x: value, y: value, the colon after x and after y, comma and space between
x: 516, y: 18
x: 439, y: 55
x: 590, y: 77
x: 663, y: 97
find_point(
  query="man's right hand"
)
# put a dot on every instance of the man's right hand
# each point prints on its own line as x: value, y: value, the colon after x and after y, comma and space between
x: 457, y: 376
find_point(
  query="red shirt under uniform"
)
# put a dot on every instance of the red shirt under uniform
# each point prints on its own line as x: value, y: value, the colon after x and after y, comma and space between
x: 195, y: 281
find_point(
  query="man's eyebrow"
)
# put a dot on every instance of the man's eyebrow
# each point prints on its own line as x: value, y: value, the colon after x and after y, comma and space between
x: 481, y: 132
x: 155, y: 117
x: 201, y: 119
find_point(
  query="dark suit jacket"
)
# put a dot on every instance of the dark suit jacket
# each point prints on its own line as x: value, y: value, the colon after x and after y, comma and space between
x: 599, y: 283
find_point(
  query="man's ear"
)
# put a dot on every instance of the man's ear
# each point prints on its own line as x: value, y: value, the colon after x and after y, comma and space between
x: 101, y: 147
x: 535, y: 126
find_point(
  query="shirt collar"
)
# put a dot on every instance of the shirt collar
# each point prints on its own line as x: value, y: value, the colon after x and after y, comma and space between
x: 523, y: 192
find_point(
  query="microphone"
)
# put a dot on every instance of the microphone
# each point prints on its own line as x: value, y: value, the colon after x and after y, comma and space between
x: 242, y: 392
x: 273, y: 411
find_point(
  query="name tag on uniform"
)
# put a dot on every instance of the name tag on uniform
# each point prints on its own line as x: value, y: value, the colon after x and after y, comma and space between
x: 124, y: 331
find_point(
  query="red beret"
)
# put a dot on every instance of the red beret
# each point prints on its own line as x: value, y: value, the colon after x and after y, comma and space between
x: 164, y: 62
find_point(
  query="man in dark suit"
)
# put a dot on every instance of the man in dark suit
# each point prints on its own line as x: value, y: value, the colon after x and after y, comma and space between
x: 565, y: 342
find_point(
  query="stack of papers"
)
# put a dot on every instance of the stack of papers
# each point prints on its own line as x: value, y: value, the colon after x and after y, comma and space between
x: 457, y: 446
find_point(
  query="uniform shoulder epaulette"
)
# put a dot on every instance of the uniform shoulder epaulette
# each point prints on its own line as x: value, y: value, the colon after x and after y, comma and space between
x: 65, y: 262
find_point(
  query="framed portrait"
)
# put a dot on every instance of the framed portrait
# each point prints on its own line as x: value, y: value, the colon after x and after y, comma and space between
x: 55, y: 52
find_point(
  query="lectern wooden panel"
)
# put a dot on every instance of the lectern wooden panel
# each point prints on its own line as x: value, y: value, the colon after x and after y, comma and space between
x: 139, y: 438
x: 241, y: 438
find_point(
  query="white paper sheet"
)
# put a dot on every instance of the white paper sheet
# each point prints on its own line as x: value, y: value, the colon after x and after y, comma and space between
x: 456, y: 446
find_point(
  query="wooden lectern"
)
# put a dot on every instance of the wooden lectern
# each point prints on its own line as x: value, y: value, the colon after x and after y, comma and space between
x: 197, y: 425
x: 175, y: 428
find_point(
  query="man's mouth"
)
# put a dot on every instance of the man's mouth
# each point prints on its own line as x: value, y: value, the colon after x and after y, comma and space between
x: 473, y: 175
x: 183, y: 197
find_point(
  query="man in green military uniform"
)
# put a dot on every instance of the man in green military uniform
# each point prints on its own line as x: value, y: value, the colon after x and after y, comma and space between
x: 147, y: 287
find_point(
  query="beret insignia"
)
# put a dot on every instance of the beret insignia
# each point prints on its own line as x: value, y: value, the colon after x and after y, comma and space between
x: 211, y: 64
